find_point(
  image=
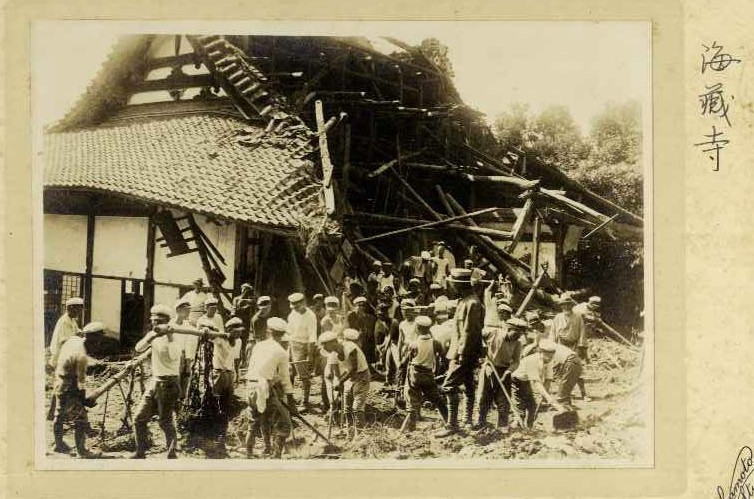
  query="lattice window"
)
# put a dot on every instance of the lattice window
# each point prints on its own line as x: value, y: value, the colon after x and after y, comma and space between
x: 70, y: 287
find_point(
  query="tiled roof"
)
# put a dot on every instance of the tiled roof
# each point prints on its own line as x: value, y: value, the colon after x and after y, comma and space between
x: 211, y: 164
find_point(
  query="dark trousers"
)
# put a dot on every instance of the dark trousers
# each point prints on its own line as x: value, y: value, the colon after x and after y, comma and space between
x: 523, y: 397
x: 422, y: 386
x: 490, y: 391
x: 159, y: 399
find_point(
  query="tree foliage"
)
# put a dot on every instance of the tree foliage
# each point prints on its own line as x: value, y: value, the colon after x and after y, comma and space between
x: 437, y: 52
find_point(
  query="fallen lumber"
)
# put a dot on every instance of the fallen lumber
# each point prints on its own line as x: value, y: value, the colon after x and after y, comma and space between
x: 390, y: 220
x: 115, y: 378
x: 427, y: 225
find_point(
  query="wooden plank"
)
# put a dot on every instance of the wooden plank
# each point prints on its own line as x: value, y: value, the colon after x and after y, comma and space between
x: 536, y: 236
x: 520, y: 226
x: 90, y: 223
x: 176, y: 83
x: 426, y: 225
x: 327, y: 168
x: 149, y: 271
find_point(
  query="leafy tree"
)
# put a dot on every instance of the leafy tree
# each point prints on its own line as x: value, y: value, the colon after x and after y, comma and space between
x: 437, y: 52
x: 513, y: 127
x: 616, y: 135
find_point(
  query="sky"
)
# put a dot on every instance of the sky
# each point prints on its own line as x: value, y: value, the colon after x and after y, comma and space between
x: 581, y: 65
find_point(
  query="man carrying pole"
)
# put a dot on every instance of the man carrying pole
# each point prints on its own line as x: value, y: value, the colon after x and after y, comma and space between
x: 69, y: 389
x: 269, y: 383
x: 163, y: 390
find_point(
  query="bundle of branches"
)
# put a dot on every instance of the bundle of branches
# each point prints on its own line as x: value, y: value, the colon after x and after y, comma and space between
x: 200, y: 411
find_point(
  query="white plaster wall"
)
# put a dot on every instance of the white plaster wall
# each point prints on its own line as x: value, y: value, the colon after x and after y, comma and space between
x: 65, y: 242
x: 120, y: 246
x: 166, y: 295
x: 106, y: 304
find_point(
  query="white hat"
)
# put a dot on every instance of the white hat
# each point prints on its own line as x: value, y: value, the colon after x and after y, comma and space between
x: 426, y: 255
x: 246, y: 285
x: 295, y: 297
x: 327, y: 336
x: 504, y: 306
x: 546, y: 345
x: 595, y: 300
x: 182, y: 302
x: 70, y: 302
x: 359, y: 299
x: 377, y: 263
x: 233, y: 322
x: 332, y: 302
x: 435, y: 285
x: 351, y: 334
x: 318, y: 296
x: 161, y: 309
x: 276, y: 324
x: 211, y: 300
x: 423, y: 320
x: 263, y: 300
x: 93, y: 327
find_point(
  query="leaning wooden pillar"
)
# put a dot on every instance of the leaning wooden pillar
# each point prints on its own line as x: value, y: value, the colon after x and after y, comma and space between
x: 90, y: 222
x: 149, y: 272
x: 535, y: 243
x: 560, y: 234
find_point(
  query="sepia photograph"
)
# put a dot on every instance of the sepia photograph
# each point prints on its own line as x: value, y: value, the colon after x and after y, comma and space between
x: 347, y: 244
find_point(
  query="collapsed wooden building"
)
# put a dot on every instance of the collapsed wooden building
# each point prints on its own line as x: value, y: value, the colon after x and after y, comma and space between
x: 284, y: 161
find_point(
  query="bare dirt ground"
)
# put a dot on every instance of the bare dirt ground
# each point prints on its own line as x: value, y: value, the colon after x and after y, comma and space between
x: 614, y: 425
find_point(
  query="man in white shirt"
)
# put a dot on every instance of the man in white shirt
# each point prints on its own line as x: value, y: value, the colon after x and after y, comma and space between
x: 163, y: 390
x: 69, y: 388
x: 223, y: 372
x: 188, y: 342
x: 302, y: 330
x: 211, y: 319
x: 196, y: 298
x: 67, y: 327
x: 347, y: 370
x: 530, y: 377
x: 269, y: 381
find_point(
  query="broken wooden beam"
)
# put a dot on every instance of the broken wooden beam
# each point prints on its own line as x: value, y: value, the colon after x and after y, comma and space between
x: 520, y: 226
x: 389, y: 220
x: 427, y: 225
x: 327, y: 168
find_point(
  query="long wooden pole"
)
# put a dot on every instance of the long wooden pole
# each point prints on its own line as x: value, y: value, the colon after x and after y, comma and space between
x: 427, y: 225
x: 536, y: 236
x: 100, y: 390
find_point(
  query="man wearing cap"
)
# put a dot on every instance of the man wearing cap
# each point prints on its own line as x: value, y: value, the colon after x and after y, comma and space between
x: 529, y: 378
x: 503, y: 354
x: 66, y: 327
x: 590, y: 313
x: 243, y: 308
x: 69, y: 388
x: 387, y: 276
x: 351, y: 291
x: 259, y: 322
x: 465, y: 350
x: 269, y: 383
x: 362, y: 321
x: 333, y: 319
x: 420, y: 384
x: 441, y: 264
x: 188, y: 342
x: 347, y: 370
x: 302, y: 329
x: 318, y: 307
x: 196, y: 298
x: 223, y: 372
x: 568, y: 329
x: 436, y: 292
x: 163, y: 390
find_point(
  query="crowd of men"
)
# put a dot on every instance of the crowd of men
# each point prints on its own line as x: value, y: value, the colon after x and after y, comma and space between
x: 433, y: 332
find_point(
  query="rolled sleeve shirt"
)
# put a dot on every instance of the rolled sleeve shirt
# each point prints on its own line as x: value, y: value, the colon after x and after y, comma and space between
x: 269, y: 361
x: 302, y: 328
x: 65, y: 329
x: 70, y: 371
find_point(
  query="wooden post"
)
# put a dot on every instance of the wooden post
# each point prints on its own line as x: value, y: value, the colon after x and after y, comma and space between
x: 346, y: 159
x: 560, y: 234
x: 149, y: 272
x: 536, y: 229
x: 327, y: 168
x: 90, y: 221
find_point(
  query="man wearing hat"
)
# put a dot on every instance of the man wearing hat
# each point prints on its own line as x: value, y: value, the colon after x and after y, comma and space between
x: 196, y: 298
x: 211, y: 319
x: 269, y: 383
x: 163, y: 389
x: 69, y: 388
x: 590, y: 313
x: 302, y: 329
x: 436, y: 292
x: 465, y: 349
x: 420, y: 385
x: 347, y: 370
x: 318, y: 307
x: 503, y: 354
x: 259, y: 322
x: 387, y: 276
x: 441, y: 264
x: 66, y: 327
x: 188, y: 342
x: 361, y: 320
x: 223, y: 371
x: 568, y: 329
x: 333, y: 319
x: 529, y: 378
x: 243, y: 308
